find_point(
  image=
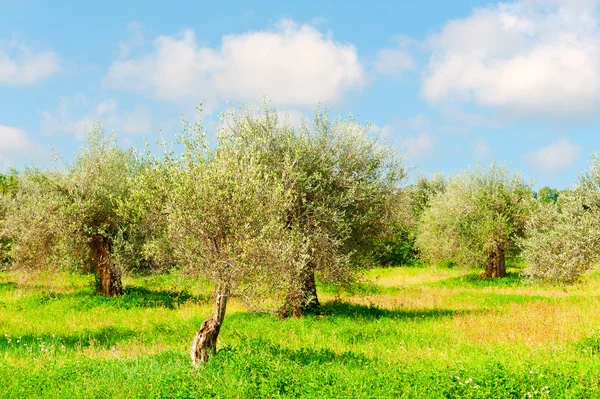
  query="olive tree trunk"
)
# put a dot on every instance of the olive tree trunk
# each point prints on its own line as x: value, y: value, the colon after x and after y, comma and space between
x: 302, y: 297
x: 495, y: 266
x: 205, y: 340
x: 109, y: 279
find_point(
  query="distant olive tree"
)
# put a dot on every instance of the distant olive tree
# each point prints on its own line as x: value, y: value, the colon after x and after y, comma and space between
x: 563, y: 238
x: 67, y: 217
x: 344, y: 190
x: 476, y: 221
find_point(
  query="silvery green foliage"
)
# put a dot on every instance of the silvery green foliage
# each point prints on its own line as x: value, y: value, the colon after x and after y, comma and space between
x: 563, y: 239
x: 344, y: 182
x: 481, y: 211
x: 224, y: 216
x: 55, y: 212
x: 8, y: 186
x: 423, y: 190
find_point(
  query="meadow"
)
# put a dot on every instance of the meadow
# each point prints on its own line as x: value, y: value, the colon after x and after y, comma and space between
x: 410, y: 332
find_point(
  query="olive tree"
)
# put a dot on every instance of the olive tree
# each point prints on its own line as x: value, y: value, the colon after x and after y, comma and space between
x: 68, y: 216
x: 344, y: 190
x: 225, y: 222
x: 8, y: 186
x: 476, y: 220
x: 563, y: 238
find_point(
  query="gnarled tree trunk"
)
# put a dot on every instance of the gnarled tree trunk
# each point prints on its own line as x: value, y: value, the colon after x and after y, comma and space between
x: 205, y: 341
x: 495, y: 266
x: 303, y: 299
x: 109, y: 279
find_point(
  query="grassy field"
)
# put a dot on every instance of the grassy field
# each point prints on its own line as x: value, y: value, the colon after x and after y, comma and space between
x: 405, y: 332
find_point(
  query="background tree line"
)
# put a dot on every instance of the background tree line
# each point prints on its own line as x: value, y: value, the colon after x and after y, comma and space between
x: 270, y: 208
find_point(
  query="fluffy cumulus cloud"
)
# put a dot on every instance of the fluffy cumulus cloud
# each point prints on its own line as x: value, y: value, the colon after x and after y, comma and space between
x: 393, y: 62
x: 293, y: 64
x: 75, y: 116
x: 15, y: 145
x: 554, y: 157
x: 20, y: 65
x: 530, y: 57
x: 396, y: 60
x: 481, y: 149
x: 417, y: 146
x: 412, y: 135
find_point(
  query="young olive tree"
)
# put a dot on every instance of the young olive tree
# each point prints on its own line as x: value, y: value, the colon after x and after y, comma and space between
x: 344, y: 190
x: 69, y: 217
x: 477, y: 220
x: 563, y: 238
x: 226, y: 222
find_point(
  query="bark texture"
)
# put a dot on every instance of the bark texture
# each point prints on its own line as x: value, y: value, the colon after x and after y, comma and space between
x: 495, y: 266
x: 303, y: 300
x: 205, y: 340
x: 109, y: 279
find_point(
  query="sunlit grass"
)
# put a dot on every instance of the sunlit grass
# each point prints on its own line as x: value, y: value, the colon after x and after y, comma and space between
x: 401, y: 332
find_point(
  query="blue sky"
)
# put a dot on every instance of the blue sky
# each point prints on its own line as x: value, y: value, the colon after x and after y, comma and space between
x: 451, y: 83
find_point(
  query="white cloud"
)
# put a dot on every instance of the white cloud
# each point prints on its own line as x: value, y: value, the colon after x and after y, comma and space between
x: 294, y: 65
x: 20, y: 65
x: 134, y: 121
x: 417, y: 146
x: 14, y: 146
x: 135, y: 40
x: 107, y: 107
x: 417, y: 122
x: 554, y: 157
x: 528, y: 57
x: 481, y: 149
x: 412, y: 134
x: 393, y: 62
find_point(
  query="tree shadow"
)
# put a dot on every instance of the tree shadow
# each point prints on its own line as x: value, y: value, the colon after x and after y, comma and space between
x: 170, y: 299
x: 133, y: 297
x: 307, y: 356
x: 303, y: 356
x: 105, y: 337
x: 8, y: 286
x: 350, y: 310
x: 472, y: 280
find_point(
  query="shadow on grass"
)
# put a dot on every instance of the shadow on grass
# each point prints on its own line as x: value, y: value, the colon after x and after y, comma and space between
x: 306, y: 356
x: 344, y: 309
x: 8, y: 286
x: 472, y: 280
x: 104, y: 337
x: 303, y: 356
x: 133, y: 297
x: 144, y: 297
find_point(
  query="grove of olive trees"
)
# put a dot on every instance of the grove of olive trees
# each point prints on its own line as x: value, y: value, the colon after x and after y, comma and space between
x: 268, y: 210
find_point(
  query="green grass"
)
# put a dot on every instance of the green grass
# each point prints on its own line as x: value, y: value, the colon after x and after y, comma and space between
x: 402, y: 332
